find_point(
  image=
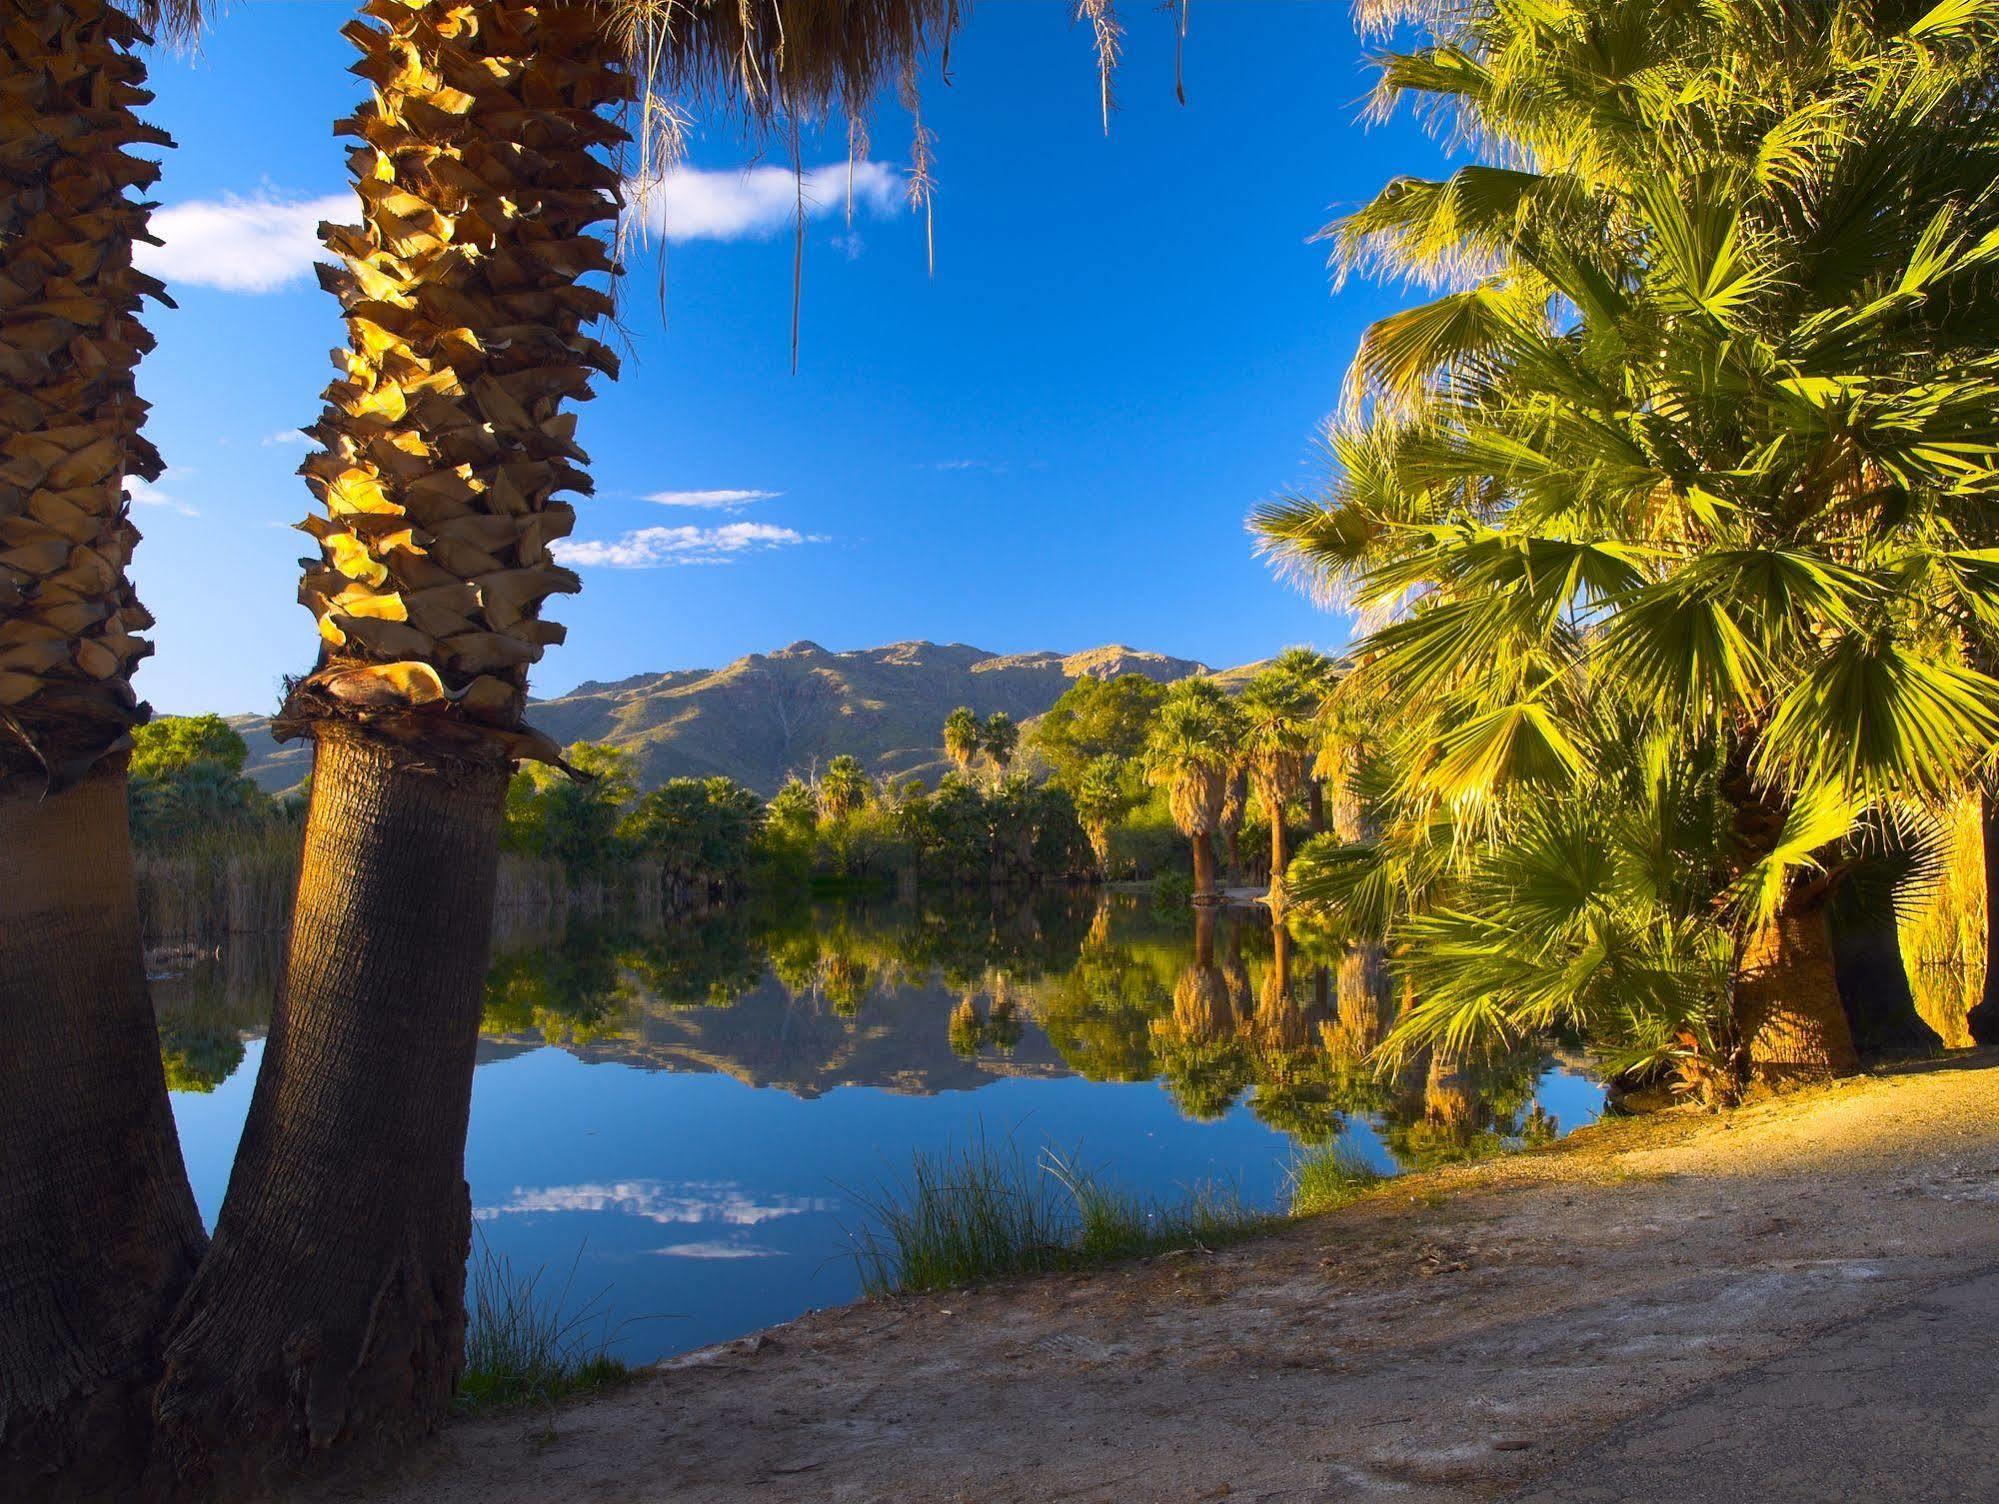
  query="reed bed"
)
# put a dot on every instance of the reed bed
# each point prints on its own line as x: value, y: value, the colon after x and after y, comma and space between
x: 527, y: 1342
x: 1329, y: 1177
x: 989, y: 1211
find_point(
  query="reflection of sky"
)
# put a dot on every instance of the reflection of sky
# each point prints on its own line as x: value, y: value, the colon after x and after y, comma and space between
x: 757, y: 1189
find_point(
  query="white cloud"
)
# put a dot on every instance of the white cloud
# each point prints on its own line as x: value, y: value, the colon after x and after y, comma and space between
x: 151, y: 494
x: 665, y: 547
x: 751, y: 203
x: 287, y: 436
x: 662, y: 1201
x: 729, y: 499
x: 236, y: 244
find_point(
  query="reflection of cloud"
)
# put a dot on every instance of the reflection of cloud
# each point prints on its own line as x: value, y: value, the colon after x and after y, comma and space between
x: 718, y: 1250
x: 664, y: 1201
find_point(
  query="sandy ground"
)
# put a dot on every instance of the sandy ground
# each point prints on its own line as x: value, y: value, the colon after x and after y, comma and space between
x: 1799, y: 1300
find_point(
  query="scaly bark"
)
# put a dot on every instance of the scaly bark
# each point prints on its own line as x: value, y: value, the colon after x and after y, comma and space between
x: 98, y: 1230
x: 330, y: 1309
x: 1789, y: 1020
x: 1204, y: 869
x: 329, y: 1315
x: 1983, y: 1019
x: 1872, y: 977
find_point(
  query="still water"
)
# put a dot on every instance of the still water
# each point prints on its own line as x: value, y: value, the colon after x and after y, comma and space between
x: 685, y: 1124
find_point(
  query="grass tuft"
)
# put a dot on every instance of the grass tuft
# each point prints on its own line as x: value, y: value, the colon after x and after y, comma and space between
x: 986, y: 1211
x: 525, y: 1344
x: 1328, y: 1178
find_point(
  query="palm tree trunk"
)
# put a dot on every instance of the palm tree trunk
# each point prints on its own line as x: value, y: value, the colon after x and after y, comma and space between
x: 1789, y: 1021
x: 1280, y: 858
x: 330, y: 1309
x: 1204, y: 868
x: 98, y: 1229
x: 1983, y: 1019
x: 1873, y: 980
x: 1315, y: 804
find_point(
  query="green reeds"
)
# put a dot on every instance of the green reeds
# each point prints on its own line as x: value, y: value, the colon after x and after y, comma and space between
x: 1327, y: 1178
x: 528, y: 1343
x: 986, y: 1211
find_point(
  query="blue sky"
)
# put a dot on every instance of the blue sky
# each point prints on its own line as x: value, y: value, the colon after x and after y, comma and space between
x: 1052, y: 443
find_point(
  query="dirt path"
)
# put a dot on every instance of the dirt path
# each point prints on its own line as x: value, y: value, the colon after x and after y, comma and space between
x: 1795, y: 1301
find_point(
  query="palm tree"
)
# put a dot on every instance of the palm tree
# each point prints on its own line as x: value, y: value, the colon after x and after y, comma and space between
x: 1191, y: 752
x: 999, y: 738
x: 1279, y: 707
x: 98, y: 1230
x: 1103, y: 796
x: 1318, y: 676
x: 441, y: 457
x: 964, y: 737
x: 1706, y: 420
x: 844, y: 788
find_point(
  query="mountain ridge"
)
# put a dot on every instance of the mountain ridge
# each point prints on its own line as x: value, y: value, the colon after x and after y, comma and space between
x: 765, y: 716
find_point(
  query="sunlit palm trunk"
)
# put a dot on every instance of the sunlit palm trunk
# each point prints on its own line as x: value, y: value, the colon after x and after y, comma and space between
x: 98, y: 1231
x: 1204, y: 869
x: 1983, y: 1019
x: 1280, y: 857
x: 330, y: 1311
x: 1789, y: 1021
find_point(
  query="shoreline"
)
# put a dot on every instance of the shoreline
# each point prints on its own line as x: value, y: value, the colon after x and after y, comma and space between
x: 1463, y: 1334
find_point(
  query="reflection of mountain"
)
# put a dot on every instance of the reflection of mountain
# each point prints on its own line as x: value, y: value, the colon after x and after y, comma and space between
x: 899, y: 1042
x: 770, y: 714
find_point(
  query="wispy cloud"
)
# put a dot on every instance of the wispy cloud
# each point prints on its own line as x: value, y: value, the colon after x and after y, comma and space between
x: 257, y: 244
x: 286, y: 436
x: 665, y: 547
x: 668, y: 1202
x: 146, y: 493
x: 995, y: 467
x: 751, y: 203
x: 728, y: 499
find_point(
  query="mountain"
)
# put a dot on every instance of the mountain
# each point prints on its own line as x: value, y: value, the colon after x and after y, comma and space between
x: 772, y: 714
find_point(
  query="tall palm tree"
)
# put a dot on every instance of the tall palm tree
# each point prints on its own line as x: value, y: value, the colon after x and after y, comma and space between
x: 1191, y: 752
x: 1000, y: 738
x: 1706, y: 416
x: 1318, y: 675
x: 964, y: 737
x: 1279, y: 710
x: 844, y: 788
x: 1103, y: 796
x: 98, y: 1229
x: 331, y: 1306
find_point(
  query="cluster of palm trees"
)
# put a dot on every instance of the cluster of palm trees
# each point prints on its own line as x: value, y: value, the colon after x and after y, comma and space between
x: 967, y: 737
x: 1209, y: 751
x: 1670, y: 521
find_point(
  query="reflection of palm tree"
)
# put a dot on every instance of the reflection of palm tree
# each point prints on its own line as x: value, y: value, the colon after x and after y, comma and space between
x: 966, y: 1030
x: 844, y: 981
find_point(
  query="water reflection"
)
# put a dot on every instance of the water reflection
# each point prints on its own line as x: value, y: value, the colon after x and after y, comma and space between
x: 696, y: 1102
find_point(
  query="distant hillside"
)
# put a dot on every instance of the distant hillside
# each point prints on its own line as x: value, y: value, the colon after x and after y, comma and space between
x: 772, y: 714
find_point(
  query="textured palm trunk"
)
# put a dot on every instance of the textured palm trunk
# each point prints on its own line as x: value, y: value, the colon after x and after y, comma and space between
x: 1983, y: 1019
x: 1280, y: 858
x: 1315, y: 805
x: 330, y: 1309
x: 330, y: 1312
x: 1872, y: 977
x: 1789, y: 1021
x: 98, y: 1230
x: 1204, y: 869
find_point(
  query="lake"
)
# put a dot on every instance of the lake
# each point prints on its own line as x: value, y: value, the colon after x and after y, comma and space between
x: 684, y: 1123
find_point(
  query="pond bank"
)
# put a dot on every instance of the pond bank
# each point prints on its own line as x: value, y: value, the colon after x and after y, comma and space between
x: 1792, y: 1301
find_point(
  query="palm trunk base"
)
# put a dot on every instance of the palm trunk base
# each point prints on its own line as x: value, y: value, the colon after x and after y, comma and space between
x: 99, y: 1234
x: 1983, y: 1019
x: 330, y: 1314
x: 1789, y: 1019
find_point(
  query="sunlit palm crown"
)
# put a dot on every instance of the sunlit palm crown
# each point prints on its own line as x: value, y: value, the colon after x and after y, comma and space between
x: 1708, y: 415
x: 485, y: 165
x: 1191, y: 752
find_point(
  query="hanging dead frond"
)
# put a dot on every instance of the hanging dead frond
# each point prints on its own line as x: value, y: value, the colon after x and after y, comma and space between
x: 1108, y: 36
x: 922, y: 187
